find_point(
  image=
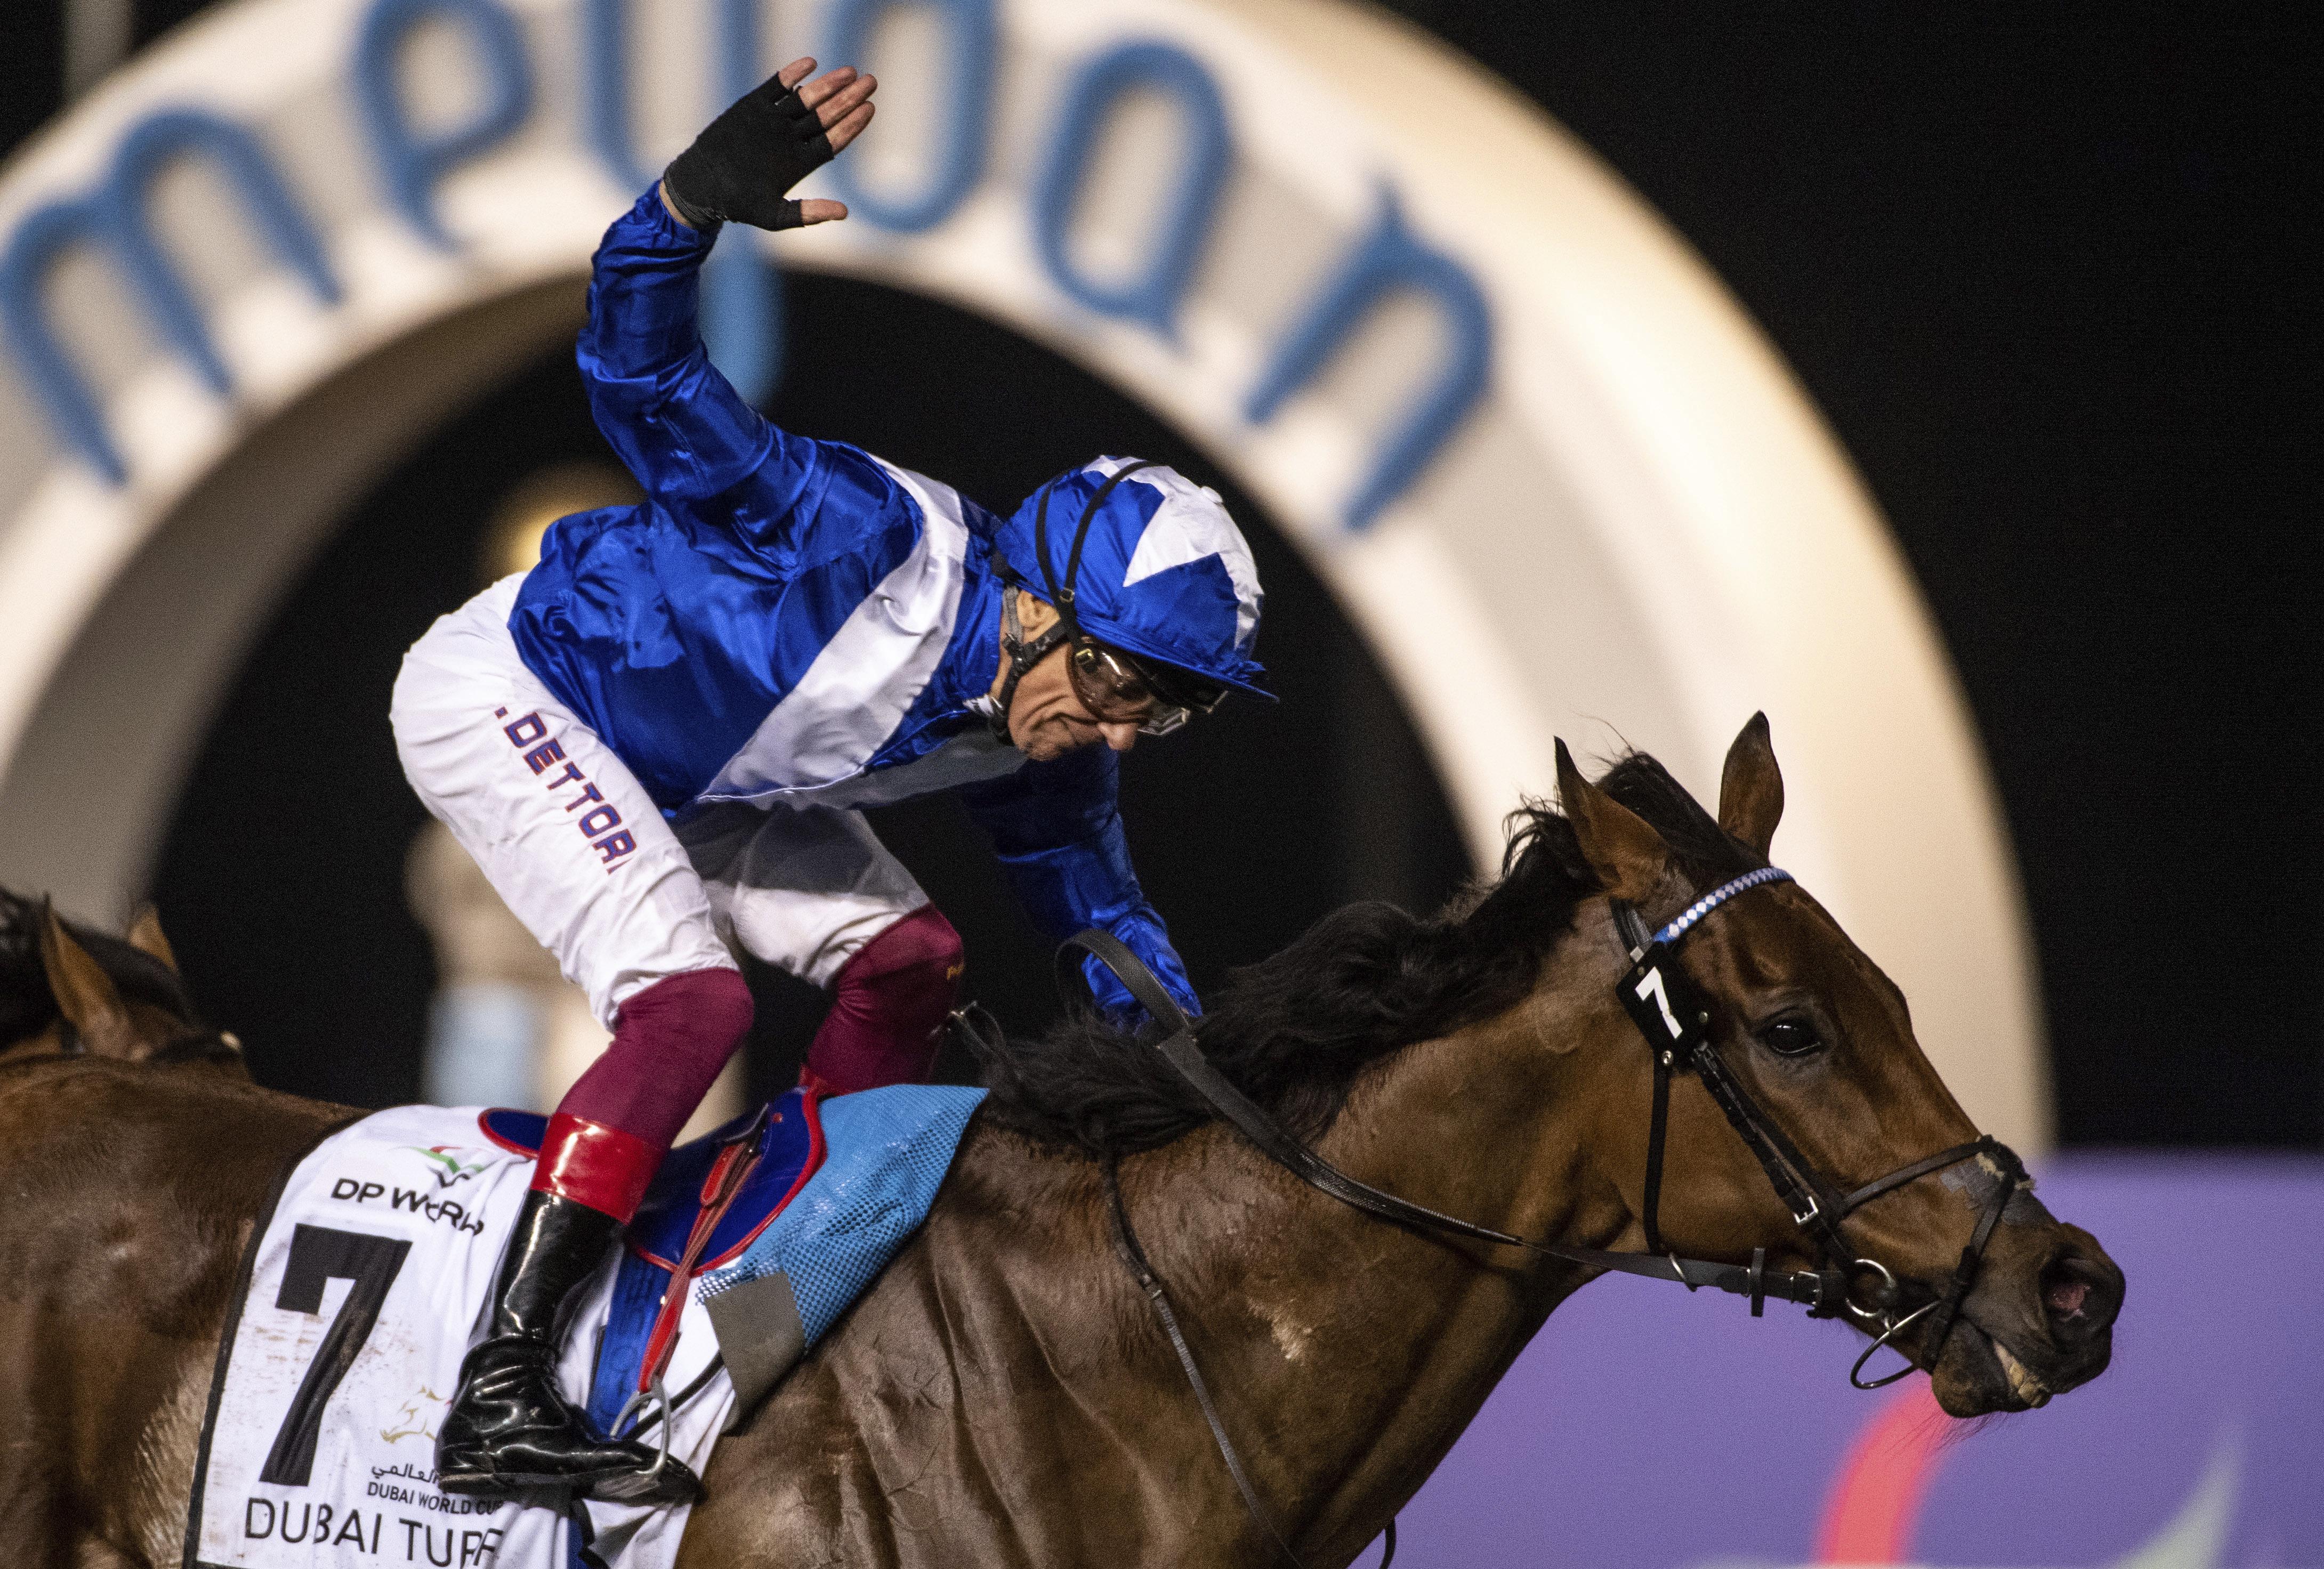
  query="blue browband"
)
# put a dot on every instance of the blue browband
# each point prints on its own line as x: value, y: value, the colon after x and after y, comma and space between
x: 1670, y: 934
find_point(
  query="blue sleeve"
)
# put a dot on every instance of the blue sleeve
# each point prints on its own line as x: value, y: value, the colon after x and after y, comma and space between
x: 1056, y: 828
x: 676, y: 423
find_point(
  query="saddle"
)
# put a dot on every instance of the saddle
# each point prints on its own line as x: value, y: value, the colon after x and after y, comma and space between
x: 786, y: 1150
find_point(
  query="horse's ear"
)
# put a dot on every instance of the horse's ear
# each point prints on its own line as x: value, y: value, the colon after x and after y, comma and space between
x: 1628, y: 856
x: 146, y: 935
x: 85, y: 993
x: 1751, y: 788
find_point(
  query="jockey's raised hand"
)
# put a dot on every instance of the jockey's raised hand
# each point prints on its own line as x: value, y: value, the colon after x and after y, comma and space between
x: 744, y: 163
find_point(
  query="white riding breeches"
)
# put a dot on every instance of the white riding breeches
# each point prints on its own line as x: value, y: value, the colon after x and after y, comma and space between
x: 582, y: 855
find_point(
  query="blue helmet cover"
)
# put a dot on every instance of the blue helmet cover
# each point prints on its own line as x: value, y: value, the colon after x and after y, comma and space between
x: 1163, y: 572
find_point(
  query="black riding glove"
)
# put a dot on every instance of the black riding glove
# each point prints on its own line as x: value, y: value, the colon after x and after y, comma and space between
x: 747, y: 159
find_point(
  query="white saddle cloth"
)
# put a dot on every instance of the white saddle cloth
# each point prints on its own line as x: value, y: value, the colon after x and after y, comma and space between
x: 318, y: 1451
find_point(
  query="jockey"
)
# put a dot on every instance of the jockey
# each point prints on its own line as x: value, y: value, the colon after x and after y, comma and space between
x: 658, y: 742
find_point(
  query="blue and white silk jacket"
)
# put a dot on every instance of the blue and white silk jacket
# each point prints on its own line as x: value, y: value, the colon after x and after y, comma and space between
x: 789, y: 622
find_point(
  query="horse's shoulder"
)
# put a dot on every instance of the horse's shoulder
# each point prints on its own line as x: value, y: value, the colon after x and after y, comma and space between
x: 1005, y: 1182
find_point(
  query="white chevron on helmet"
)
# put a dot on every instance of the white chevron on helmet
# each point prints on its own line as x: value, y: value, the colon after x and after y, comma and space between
x: 1190, y: 523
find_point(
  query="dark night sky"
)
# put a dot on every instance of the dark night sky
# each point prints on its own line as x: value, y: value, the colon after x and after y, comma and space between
x: 2044, y: 278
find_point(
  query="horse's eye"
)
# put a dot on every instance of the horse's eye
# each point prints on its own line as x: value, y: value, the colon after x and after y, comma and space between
x: 1790, y: 1037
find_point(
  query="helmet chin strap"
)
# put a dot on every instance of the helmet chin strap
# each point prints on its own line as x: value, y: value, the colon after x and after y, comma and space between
x: 1023, y: 655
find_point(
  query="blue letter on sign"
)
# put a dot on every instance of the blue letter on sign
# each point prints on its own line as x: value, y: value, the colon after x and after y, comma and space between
x: 967, y: 66
x: 114, y: 217
x: 742, y: 293
x: 413, y: 164
x: 741, y: 298
x: 1152, y: 296
x: 605, y: 90
x: 1389, y: 258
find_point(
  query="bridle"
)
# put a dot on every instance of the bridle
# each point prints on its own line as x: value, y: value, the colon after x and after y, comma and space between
x: 1671, y: 1013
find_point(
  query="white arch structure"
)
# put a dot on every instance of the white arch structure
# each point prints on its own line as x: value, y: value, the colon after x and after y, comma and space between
x: 1634, y: 529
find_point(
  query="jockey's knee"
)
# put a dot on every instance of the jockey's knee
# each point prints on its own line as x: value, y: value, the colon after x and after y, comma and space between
x: 920, y: 950
x: 887, y: 1003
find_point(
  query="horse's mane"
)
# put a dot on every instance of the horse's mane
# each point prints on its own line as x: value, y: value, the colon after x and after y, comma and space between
x: 27, y: 1006
x: 1293, y: 1030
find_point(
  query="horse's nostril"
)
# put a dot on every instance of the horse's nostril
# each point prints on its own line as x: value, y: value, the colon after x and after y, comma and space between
x: 2077, y: 1297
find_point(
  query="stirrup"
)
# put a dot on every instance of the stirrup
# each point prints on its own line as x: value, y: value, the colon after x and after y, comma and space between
x: 653, y: 1395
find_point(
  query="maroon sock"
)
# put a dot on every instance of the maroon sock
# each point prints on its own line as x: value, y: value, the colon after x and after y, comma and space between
x: 619, y: 1118
x: 887, y: 1004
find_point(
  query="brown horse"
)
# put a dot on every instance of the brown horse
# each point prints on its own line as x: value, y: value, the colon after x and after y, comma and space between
x: 1003, y: 1393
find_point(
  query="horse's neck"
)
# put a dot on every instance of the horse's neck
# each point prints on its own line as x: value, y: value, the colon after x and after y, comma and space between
x: 1007, y: 1391
x: 1347, y: 1354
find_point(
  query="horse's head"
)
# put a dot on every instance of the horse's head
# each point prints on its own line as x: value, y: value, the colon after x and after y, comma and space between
x: 68, y: 991
x: 1822, y: 1045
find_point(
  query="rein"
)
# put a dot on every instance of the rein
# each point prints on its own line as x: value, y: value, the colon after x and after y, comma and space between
x: 1180, y: 1049
x: 1672, y: 1015
x: 1670, y: 1012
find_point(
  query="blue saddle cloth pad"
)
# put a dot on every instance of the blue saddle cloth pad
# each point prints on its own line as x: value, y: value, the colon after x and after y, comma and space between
x: 886, y: 1153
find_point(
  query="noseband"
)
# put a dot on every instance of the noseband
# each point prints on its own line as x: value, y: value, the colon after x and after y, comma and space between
x: 1671, y: 1013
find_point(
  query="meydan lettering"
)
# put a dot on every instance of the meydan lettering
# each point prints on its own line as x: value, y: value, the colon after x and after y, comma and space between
x: 1386, y: 257
x: 370, y: 1531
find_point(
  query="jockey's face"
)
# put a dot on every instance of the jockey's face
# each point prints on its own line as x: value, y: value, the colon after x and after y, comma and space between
x: 1046, y: 718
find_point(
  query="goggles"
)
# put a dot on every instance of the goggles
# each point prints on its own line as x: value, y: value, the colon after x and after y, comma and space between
x: 1121, y: 688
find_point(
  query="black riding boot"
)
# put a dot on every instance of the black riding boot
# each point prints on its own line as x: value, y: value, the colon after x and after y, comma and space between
x: 508, y: 1433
